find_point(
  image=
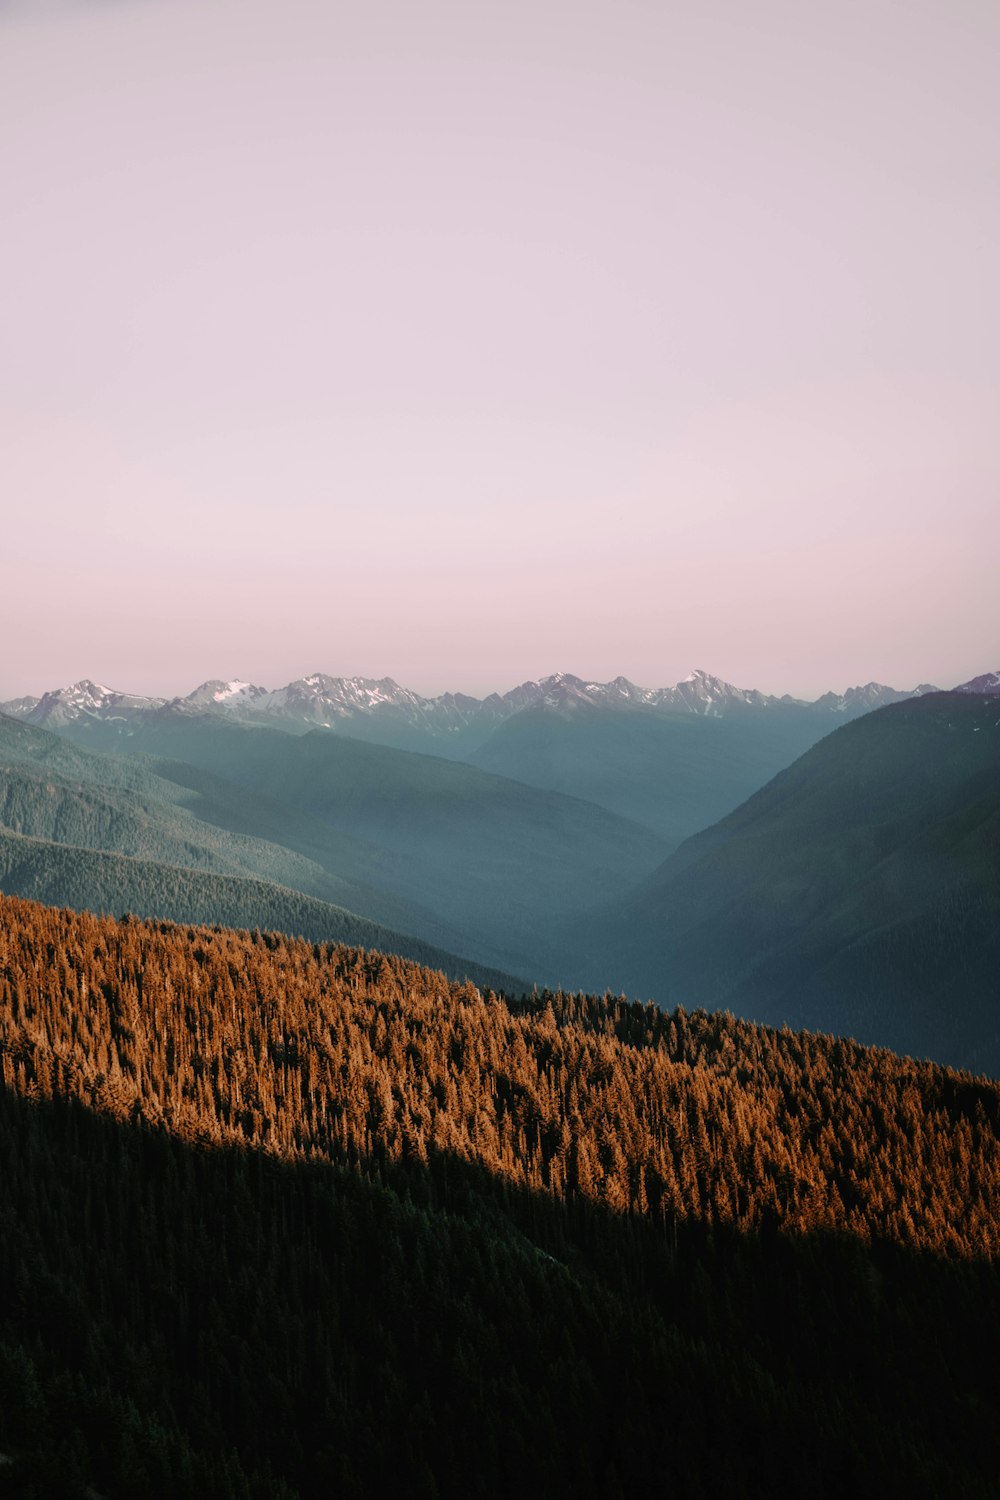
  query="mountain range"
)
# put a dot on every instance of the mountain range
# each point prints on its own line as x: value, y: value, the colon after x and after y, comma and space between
x: 379, y: 708
x: 672, y: 759
x: 831, y: 864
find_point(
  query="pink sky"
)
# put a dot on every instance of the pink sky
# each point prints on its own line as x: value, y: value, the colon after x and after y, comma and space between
x: 467, y: 342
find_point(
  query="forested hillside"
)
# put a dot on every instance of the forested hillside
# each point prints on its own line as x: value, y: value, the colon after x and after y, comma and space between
x: 282, y: 1218
x: 859, y: 892
x: 170, y: 813
x: 90, y: 880
x: 464, y: 860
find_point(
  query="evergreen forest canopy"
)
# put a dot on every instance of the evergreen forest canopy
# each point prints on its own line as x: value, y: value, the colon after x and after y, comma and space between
x: 285, y: 1218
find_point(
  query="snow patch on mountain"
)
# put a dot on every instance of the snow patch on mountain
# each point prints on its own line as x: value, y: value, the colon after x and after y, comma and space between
x: 864, y: 699
x: 87, y: 700
x: 989, y: 682
x: 323, y: 701
x: 18, y: 708
x: 228, y: 696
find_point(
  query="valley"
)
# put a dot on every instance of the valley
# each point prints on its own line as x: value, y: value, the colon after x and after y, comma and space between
x: 701, y: 845
x: 367, y: 1111
x: 499, y: 751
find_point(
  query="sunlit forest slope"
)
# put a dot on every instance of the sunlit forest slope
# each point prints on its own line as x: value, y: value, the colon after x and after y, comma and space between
x: 289, y: 1219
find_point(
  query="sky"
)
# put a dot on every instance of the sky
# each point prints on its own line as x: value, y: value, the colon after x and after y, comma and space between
x: 467, y: 342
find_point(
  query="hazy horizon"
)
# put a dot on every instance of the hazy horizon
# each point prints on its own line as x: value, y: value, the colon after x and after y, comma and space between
x: 482, y: 691
x: 465, y: 344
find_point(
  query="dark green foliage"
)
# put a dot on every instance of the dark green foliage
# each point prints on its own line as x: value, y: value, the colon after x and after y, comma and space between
x: 289, y: 1219
x: 858, y: 893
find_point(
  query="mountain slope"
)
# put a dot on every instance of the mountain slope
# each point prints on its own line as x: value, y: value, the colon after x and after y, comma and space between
x: 283, y: 1221
x: 176, y: 815
x: 461, y: 859
x: 859, y: 892
x: 501, y: 862
x: 987, y: 683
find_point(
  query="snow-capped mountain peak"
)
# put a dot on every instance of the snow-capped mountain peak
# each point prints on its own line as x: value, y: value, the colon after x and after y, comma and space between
x: 702, y: 693
x: 237, y: 689
x: 19, y: 708
x: 322, y: 700
x: 989, y: 682
x: 86, y: 699
x: 867, y: 697
x: 378, y: 707
x: 223, y: 694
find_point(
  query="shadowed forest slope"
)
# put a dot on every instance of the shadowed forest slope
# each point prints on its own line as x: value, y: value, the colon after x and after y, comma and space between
x: 289, y: 1219
x: 859, y: 892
